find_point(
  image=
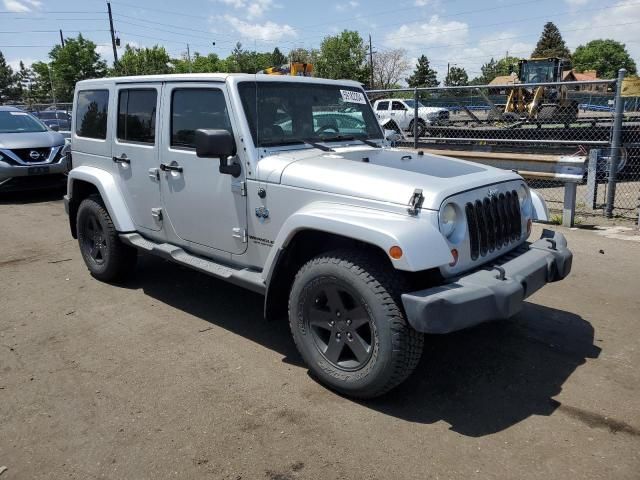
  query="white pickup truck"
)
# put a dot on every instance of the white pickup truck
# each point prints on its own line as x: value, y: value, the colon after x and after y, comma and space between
x: 401, y: 112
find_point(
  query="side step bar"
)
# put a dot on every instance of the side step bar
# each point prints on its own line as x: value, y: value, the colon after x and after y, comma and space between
x: 243, y: 277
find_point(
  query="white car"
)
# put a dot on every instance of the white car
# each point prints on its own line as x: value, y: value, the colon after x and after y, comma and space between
x: 402, y: 111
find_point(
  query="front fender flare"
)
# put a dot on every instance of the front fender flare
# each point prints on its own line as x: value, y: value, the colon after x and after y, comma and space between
x: 109, y: 191
x: 422, y: 243
x: 540, y: 210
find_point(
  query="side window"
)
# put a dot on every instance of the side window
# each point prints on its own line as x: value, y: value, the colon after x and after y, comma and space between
x: 194, y: 108
x: 398, y: 106
x: 137, y: 115
x: 91, y: 113
x: 383, y: 106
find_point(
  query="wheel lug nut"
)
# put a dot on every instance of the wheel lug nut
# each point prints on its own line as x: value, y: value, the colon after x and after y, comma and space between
x: 349, y: 336
x: 332, y: 323
x: 317, y: 301
x: 338, y: 336
x: 348, y: 321
x: 338, y: 314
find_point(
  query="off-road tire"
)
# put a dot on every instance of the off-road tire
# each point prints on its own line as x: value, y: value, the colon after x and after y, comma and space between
x: 395, y: 347
x: 117, y: 259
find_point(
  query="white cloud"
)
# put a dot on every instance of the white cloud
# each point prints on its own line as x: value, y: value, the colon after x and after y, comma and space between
x: 577, y: 3
x: 620, y: 23
x: 268, y: 31
x: 342, y: 7
x: 433, y: 32
x: 254, y: 8
x: 22, y: 6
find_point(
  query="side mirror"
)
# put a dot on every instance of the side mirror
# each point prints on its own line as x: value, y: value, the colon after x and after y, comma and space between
x: 55, y: 128
x: 211, y: 143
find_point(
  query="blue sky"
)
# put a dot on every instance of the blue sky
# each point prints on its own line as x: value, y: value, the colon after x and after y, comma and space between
x: 461, y: 32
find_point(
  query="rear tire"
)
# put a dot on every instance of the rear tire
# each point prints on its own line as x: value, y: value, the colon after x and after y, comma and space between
x: 347, y: 322
x: 422, y: 126
x: 106, y: 257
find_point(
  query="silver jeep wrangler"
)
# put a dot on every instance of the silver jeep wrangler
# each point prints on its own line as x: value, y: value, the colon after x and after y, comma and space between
x: 286, y: 186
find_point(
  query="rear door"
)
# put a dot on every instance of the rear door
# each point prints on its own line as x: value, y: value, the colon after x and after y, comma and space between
x: 135, y: 151
x: 399, y: 114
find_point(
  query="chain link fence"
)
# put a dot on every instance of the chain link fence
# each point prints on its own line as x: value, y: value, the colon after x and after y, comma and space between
x: 553, y: 134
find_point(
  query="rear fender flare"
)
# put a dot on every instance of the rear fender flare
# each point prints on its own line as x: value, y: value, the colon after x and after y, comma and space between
x: 109, y: 191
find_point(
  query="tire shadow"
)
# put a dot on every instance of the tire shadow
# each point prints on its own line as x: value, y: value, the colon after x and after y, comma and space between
x: 480, y: 381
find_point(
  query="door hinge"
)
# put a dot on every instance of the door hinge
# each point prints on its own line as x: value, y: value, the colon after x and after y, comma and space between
x: 156, y: 213
x: 240, y: 233
x: 240, y: 188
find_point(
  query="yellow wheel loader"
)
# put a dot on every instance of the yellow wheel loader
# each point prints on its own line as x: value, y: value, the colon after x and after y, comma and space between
x: 544, y: 103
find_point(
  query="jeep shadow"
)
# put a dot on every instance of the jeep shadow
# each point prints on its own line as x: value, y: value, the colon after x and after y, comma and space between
x: 480, y: 381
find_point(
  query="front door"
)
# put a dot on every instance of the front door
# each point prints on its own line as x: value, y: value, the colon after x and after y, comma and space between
x: 204, y: 206
x: 135, y: 151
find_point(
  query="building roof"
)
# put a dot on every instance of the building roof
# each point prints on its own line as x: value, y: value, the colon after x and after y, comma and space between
x: 586, y: 75
x: 504, y: 80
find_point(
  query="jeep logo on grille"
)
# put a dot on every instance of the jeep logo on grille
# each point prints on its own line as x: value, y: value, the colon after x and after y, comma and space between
x: 492, y: 192
x: 34, y: 155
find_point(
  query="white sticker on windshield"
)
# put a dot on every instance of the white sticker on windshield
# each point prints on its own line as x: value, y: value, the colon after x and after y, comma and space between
x: 18, y: 113
x: 350, y: 96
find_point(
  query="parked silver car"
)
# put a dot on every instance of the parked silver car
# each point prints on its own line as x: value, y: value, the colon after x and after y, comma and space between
x: 31, y: 155
x: 286, y: 186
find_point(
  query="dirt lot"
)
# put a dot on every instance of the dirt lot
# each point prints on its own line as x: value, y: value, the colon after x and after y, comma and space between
x: 176, y: 375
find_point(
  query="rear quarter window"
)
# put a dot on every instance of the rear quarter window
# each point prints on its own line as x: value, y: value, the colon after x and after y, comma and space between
x: 91, y: 113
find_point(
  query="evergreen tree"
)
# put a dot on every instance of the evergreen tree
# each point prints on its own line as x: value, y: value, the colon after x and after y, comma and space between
x: 457, y: 77
x: 551, y: 43
x: 423, y: 75
x: 278, y: 58
x: 9, y: 89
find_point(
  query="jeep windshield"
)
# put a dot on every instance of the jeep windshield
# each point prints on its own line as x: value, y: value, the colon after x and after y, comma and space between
x: 283, y: 113
x: 19, y: 122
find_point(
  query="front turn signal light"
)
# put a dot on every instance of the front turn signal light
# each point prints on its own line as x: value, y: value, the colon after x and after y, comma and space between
x: 454, y: 254
x: 395, y: 252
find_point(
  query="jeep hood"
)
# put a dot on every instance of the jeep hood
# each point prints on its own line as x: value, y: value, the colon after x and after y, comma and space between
x: 385, y: 175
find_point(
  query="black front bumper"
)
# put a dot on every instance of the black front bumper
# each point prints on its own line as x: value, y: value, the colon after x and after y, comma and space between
x: 495, y: 292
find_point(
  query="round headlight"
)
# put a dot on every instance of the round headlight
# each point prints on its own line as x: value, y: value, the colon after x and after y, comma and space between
x: 448, y: 218
x: 523, y: 194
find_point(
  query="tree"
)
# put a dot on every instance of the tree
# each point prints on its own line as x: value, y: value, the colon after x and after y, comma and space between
x: 342, y: 57
x: 389, y: 66
x: 9, y: 86
x: 77, y: 60
x: 457, y: 77
x: 606, y: 57
x: 551, y: 43
x: 493, y: 69
x: 278, y: 58
x: 423, y: 75
x: 199, y: 64
x: 246, y: 61
x: 143, y: 61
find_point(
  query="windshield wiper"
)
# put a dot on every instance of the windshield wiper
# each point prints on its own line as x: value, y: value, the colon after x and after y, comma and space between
x: 337, y: 138
x: 293, y: 141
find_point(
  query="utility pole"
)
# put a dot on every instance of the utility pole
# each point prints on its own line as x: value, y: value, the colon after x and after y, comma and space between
x: 113, y: 35
x: 189, y: 57
x: 61, y: 39
x: 371, y: 61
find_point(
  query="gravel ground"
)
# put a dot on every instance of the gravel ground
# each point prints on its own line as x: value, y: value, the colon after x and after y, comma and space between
x: 176, y: 375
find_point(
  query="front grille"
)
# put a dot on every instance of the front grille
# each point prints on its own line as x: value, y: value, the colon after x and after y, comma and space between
x: 493, y: 223
x: 32, y: 155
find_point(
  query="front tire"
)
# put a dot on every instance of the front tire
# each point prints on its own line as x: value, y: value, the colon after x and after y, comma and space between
x: 347, y: 322
x: 106, y: 257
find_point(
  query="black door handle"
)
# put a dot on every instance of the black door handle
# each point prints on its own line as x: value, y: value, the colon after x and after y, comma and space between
x: 170, y: 168
x: 121, y: 159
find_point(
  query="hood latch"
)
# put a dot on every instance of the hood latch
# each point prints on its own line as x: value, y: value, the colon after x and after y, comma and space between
x: 415, y: 202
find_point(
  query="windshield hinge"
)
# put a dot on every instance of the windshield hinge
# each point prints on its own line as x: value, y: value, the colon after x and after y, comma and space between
x: 415, y: 202
x: 240, y: 233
